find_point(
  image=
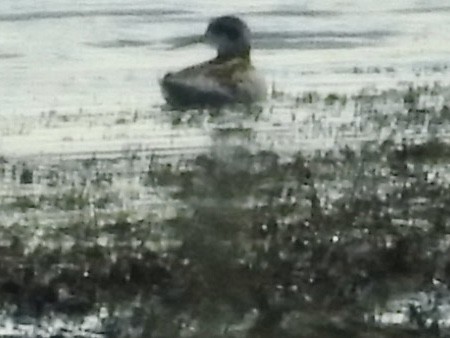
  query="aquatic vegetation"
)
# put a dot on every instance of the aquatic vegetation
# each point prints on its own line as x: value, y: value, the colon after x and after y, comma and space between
x: 333, y: 98
x: 23, y: 203
x: 244, y: 239
x: 286, y: 251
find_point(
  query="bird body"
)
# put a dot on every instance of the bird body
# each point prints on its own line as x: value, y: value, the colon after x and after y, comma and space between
x: 229, y: 78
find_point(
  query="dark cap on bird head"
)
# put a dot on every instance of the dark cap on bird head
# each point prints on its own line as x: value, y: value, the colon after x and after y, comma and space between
x: 230, y: 35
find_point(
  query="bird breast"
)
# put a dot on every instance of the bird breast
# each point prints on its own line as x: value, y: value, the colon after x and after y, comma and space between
x: 251, y: 86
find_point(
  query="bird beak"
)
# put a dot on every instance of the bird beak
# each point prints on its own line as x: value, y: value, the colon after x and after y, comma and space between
x: 188, y: 41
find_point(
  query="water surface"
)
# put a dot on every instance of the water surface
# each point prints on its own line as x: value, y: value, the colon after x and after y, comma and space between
x: 107, y: 56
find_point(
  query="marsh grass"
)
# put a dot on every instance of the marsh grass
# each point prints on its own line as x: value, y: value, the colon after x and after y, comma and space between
x: 261, y: 244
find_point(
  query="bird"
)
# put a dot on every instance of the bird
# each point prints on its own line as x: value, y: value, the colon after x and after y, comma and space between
x: 229, y: 78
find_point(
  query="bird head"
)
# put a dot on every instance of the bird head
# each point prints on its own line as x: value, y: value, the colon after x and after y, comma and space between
x: 229, y: 35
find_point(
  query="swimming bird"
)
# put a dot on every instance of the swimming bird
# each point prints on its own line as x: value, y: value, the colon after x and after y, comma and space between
x: 227, y: 79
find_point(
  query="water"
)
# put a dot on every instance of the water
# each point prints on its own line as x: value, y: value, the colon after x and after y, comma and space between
x: 103, y: 56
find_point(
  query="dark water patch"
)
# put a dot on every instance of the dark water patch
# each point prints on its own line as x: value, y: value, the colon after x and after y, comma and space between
x: 373, y: 35
x: 9, y: 55
x: 307, y: 44
x: 120, y: 43
x: 300, y: 40
x: 422, y: 10
x: 306, y: 13
x: 317, y: 40
x: 182, y: 41
x: 30, y: 16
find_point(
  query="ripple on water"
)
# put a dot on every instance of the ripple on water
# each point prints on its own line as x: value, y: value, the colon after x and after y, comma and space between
x: 10, y: 55
x: 30, y: 16
x: 120, y: 43
x: 293, y: 39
